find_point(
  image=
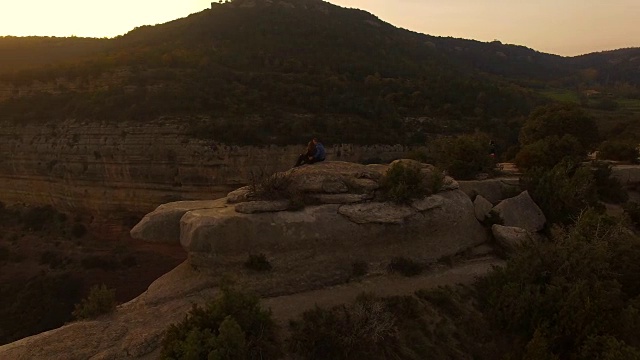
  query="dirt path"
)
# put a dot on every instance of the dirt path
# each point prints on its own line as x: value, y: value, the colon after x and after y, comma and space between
x: 292, y: 306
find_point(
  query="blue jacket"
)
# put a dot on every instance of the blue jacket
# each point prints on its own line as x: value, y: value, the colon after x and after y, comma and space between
x: 320, y: 153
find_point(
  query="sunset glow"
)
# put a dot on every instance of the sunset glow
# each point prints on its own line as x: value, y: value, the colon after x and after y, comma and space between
x: 567, y: 27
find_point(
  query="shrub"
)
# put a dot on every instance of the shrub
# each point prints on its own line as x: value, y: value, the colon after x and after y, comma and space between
x: 632, y: 209
x: 129, y: 261
x: 547, y: 152
x: 270, y: 185
x: 31, y: 306
x: 619, y: 150
x: 397, y: 327
x: 78, y: 230
x: 406, y: 267
x: 402, y: 183
x: 233, y: 326
x: 100, y: 301
x: 418, y: 155
x: 54, y: 260
x: 99, y: 262
x: 563, y: 191
x: 364, y: 330
x: 560, y: 120
x: 557, y: 298
x: 4, y: 254
x: 463, y: 157
x: 359, y: 268
x: 41, y: 217
x: 258, y: 263
x: 405, y: 182
x: 609, y: 188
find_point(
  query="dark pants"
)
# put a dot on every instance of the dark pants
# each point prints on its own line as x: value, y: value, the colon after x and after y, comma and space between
x: 304, y: 159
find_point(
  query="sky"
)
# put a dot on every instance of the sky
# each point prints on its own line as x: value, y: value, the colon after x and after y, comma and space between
x: 563, y: 27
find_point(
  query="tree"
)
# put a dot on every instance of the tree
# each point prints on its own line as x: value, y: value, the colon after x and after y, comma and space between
x: 560, y: 120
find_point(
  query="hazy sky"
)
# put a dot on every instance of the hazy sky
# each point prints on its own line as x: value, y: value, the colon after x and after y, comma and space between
x: 565, y: 27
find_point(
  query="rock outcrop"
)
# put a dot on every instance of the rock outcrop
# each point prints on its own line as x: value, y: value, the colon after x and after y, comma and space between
x: 345, y: 220
x: 310, y: 245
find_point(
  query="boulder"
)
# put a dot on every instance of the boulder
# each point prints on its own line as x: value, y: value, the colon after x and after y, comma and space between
x: 521, y: 211
x: 511, y: 238
x: 163, y: 224
x: 626, y: 174
x: 482, y: 207
x: 369, y: 231
x: 494, y: 190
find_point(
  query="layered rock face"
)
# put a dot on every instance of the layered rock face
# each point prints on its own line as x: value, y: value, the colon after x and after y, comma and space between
x: 342, y: 220
x: 132, y: 168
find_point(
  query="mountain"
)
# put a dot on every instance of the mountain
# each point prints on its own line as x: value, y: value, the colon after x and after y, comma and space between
x: 20, y: 53
x: 277, y: 71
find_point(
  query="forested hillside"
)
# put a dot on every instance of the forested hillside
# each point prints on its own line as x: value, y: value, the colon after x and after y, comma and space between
x: 259, y: 71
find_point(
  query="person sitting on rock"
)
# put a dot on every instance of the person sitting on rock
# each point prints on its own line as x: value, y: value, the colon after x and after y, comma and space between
x: 315, y: 153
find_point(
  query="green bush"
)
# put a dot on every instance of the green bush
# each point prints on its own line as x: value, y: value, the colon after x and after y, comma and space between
x: 575, y: 297
x: 609, y: 188
x: 42, y: 217
x: 365, y: 330
x: 404, y: 182
x: 619, y: 150
x: 31, y: 306
x: 464, y: 156
x: 632, y: 209
x: 258, y: 263
x: 547, y: 152
x: 99, y: 262
x: 78, y: 230
x: 397, y: 327
x: 54, y: 259
x: 4, y: 254
x: 560, y: 120
x: 267, y: 185
x: 233, y: 326
x: 100, y: 301
x: 406, y: 266
x: 563, y: 191
x: 359, y: 268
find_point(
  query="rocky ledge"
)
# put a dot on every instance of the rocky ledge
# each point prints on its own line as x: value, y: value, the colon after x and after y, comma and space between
x: 334, y: 216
